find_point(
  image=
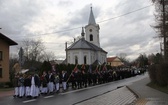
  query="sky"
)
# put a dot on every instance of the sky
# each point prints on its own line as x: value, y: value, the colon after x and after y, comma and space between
x: 49, y: 21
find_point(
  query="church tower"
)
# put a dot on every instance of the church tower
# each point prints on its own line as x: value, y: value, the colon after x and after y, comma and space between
x: 92, y: 30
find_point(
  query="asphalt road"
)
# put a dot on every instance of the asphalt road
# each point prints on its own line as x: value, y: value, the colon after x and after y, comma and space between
x: 71, y: 96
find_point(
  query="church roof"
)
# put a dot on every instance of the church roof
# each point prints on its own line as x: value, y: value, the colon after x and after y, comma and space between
x: 91, y: 18
x: 83, y: 44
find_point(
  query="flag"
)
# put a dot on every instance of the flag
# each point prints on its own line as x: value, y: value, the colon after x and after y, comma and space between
x: 104, y: 67
x: 100, y: 68
x: 75, y: 69
x: 83, y: 67
x: 96, y: 70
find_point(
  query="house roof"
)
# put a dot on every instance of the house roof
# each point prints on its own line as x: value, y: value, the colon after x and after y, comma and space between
x: 8, y: 40
x: 83, y: 44
x: 111, y: 59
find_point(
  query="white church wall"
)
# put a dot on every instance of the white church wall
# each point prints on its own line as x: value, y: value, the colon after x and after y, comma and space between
x: 80, y: 55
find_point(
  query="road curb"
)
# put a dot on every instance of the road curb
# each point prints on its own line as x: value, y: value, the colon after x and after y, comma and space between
x: 93, y: 97
x: 119, y: 98
x: 135, y: 93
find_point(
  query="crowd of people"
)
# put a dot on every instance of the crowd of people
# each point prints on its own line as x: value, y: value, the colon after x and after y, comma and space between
x: 33, y: 85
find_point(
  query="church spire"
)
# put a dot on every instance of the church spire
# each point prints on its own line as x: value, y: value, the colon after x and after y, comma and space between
x: 82, y: 33
x: 91, y: 17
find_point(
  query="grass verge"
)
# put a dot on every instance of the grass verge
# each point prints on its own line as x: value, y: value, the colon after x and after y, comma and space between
x: 159, y: 88
x: 6, y: 89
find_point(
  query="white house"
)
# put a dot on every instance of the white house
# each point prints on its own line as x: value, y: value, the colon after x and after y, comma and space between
x: 87, y: 50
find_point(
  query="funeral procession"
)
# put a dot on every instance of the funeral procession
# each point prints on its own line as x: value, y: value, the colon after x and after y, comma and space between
x: 73, y: 52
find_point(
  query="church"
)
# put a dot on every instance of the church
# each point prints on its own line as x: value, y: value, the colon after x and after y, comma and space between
x: 87, y: 49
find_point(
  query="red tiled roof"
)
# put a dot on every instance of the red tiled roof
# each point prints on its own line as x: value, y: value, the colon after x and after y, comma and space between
x: 110, y: 59
x: 8, y: 40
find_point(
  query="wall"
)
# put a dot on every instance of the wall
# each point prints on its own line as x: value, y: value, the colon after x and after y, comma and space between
x: 4, y: 64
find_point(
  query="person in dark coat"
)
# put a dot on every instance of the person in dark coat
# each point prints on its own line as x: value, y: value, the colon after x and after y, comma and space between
x: 84, y: 78
x: 51, y: 82
x: 79, y: 79
x: 27, y: 84
x: 73, y: 80
x: 64, y: 79
x: 89, y: 76
x: 44, y: 83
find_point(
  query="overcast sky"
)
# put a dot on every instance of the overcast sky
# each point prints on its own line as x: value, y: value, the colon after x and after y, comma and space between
x: 130, y: 34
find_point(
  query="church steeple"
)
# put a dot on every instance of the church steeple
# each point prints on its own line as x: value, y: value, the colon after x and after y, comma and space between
x: 92, y: 30
x: 82, y: 33
x: 91, y: 18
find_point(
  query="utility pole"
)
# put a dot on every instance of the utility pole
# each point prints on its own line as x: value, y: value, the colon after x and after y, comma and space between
x: 66, y: 52
x: 164, y: 32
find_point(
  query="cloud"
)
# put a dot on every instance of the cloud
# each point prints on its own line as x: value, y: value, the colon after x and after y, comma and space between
x: 65, y: 3
x: 63, y: 19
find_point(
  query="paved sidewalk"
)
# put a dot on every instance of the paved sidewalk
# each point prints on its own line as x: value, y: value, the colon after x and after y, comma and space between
x: 147, y: 95
x: 6, y: 93
x: 121, y: 96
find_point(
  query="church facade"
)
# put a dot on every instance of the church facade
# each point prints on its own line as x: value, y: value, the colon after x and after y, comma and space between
x: 87, y: 50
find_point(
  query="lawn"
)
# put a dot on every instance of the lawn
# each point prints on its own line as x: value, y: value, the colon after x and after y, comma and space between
x: 155, y: 86
x: 5, y: 89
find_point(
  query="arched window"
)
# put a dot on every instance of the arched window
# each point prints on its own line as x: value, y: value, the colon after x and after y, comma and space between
x: 91, y: 37
x: 76, y: 60
x: 85, y: 60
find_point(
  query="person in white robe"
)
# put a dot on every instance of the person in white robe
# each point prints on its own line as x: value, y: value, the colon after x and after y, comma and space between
x: 34, y: 91
x: 27, y: 85
x: 21, y: 86
x: 57, y: 82
x: 64, y: 80
x: 51, y: 82
x: 44, y: 88
x: 16, y: 85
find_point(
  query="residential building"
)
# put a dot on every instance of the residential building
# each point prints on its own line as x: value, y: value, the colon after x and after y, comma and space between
x: 5, y: 43
x: 114, y: 61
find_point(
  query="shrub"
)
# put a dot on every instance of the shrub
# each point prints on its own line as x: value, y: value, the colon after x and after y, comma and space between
x: 152, y: 73
x: 158, y: 74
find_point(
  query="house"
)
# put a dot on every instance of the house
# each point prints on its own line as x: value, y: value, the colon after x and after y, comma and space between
x: 87, y: 50
x: 5, y: 43
x: 114, y: 61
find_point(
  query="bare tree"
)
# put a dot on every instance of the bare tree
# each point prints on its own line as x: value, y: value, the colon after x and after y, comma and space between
x: 33, y: 49
x: 122, y: 56
x: 49, y: 56
x: 161, y: 25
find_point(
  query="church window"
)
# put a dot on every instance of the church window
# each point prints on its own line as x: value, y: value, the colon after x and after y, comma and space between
x: 85, y: 60
x: 1, y: 56
x: 76, y: 60
x: 90, y: 30
x: 91, y: 37
x: 68, y: 58
x: 0, y: 72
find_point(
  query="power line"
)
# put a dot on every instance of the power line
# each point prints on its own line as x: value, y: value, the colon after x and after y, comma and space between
x: 97, y: 22
x: 125, y: 14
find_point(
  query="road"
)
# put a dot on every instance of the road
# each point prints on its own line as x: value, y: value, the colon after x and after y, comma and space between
x: 71, y: 96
